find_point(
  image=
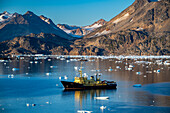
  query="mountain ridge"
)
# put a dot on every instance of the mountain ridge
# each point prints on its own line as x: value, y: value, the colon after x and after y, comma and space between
x: 141, y: 29
x: 20, y: 25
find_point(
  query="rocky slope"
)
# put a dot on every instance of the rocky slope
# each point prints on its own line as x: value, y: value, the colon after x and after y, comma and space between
x: 36, y: 43
x: 141, y: 29
x: 77, y: 31
x: 20, y: 25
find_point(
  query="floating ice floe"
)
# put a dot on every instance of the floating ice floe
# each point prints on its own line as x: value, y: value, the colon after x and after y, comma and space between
x: 167, y: 63
x: 131, y: 66
x: 130, y: 69
x: 11, y: 76
x: 118, y: 67
x: 103, y: 107
x: 137, y: 85
x: 48, y: 74
x: 68, y: 61
x: 65, y: 77
x: 110, y: 69
x: 60, y: 78
x: 49, y: 59
x: 15, y: 69
x: 76, y: 68
x: 84, y: 111
x: 62, y: 58
x: 27, y: 104
x: 53, y: 66
x: 138, y: 73
x: 33, y: 104
x: 101, y: 98
x: 158, y: 71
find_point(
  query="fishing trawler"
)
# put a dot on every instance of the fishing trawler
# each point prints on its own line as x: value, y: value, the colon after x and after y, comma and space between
x: 83, y: 83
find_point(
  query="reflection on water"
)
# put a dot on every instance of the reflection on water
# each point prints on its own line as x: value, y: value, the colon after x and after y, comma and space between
x: 31, y: 84
x: 83, y: 95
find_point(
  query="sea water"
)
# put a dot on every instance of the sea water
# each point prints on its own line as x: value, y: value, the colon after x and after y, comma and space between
x: 35, y: 87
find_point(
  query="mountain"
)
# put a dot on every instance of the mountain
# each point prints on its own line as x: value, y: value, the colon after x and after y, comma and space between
x: 141, y: 29
x: 77, y: 31
x: 13, y: 25
x: 36, y: 43
x: 152, y: 16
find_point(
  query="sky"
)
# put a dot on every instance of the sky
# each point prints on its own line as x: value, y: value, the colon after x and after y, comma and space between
x: 72, y: 12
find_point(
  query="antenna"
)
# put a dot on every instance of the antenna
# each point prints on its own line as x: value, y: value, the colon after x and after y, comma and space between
x: 81, y: 70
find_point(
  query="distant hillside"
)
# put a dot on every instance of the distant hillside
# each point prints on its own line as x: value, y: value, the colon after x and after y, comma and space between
x: 77, y: 31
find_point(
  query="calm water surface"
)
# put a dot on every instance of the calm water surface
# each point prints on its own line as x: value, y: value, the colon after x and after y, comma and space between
x: 38, y: 83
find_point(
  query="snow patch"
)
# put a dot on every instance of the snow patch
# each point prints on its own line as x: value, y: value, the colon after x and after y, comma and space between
x: 92, y: 27
x: 139, y: 29
x: 102, y: 33
x: 5, y: 16
x: 121, y: 18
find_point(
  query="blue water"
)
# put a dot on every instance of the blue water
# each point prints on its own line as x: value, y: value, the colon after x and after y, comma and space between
x: 48, y: 95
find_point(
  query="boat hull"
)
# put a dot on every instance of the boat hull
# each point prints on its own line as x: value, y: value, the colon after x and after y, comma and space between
x: 76, y: 86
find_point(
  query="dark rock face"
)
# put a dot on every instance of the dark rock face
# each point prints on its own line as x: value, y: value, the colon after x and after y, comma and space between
x: 32, y: 44
x: 128, y: 42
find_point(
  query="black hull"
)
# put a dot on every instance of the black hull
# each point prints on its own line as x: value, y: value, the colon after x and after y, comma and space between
x: 77, y: 86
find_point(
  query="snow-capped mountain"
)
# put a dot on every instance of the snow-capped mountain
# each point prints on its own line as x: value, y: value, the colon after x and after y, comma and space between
x: 5, y: 16
x: 13, y: 25
x: 77, y: 31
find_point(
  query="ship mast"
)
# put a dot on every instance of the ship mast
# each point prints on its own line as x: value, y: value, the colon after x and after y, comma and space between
x: 80, y: 71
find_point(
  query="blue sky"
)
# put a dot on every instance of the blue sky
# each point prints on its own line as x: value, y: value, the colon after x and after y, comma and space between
x: 72, y: 12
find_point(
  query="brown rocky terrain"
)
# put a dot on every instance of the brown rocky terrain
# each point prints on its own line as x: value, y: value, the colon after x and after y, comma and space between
x: 141, y: 29
x: 36, y: 43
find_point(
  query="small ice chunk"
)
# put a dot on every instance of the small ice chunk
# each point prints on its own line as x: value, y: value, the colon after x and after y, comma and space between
x: 15, y: 69
x: 137, y: 85
x: 118, y: 67
x: 110, y: 69
x: 33, y: 104
x: 27, y: 104
x: 65, y: 77
x: 158, y: 71
x: 138, y: 73
x: 131, y: 66
x: 103, y: 107
x: 76, y: 68
x: 48, y: 74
